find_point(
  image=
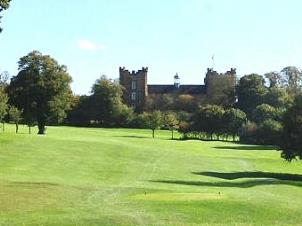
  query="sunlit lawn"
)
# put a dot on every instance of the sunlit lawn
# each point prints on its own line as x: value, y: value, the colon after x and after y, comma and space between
x: 80, y: 176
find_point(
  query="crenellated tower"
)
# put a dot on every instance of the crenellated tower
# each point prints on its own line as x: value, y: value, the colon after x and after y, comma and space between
x: 135, y: 87
x: 219, y: 84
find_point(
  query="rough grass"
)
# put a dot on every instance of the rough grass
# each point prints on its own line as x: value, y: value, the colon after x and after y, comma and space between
x: 80, y: 176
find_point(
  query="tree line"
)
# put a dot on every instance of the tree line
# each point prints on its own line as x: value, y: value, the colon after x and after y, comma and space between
x: 264, y: 109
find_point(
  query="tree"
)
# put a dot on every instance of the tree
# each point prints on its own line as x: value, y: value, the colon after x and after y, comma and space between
x: 293, y: 79
x: 264, y: 112
x: 291, y: 142
x: 4, y: 4
x: 171, y: 121
x: 251, y: 91
x: 41, y: 89
x: 3, y: 105
x: 274, y: 79
x: 153, y: 121
x: 105, y: 105
x: 186, y: 103
x: 15, y: 115
x: 209, y: 119
x: 80, y: 114
x: 4, y: 76
x: 139, y: 121
x: 277, y: 97
x: 123, y: 116
x: 159, y: 102
x: 234, y: 120
x: 248, y: 133
x: 268, y: 132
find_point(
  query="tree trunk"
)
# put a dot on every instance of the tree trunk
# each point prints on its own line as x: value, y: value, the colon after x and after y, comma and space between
x: 41, y: 126
x: 17, y: 127
x: 29, y: 129
x: 172, y: 134
x: 3, y: 126
x: 153, y: 131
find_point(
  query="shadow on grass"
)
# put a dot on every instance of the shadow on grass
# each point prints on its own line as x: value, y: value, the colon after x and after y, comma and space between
x: 256, y: 174
x: 144, y: 137
x: 260, y: 179
x: 247, y: 147
x: 244, y: 184
x: 129, y: 136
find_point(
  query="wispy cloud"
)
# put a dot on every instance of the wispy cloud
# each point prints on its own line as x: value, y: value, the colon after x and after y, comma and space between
x: 88, y: 45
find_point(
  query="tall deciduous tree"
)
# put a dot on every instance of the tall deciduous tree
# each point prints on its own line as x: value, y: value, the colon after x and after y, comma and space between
x: 153, y: 121
x: 3, y: 96
x: 4, y: 76
x: 171, y: 121
x: 15, y: 115
x: 275, y: 79
x: 3, y: 105
x: 41, y: 89
x: 293, y: 79
x: 251, y: 91
x: 264, y: 112
x: 4, y: 4
x: 291, y: 142
x: 277, y: 97
x: 234, y: 120
x: 106, y: 106
x: 209, y: 119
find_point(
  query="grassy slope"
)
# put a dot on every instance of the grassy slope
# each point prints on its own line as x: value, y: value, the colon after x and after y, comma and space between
x: 77, y: 176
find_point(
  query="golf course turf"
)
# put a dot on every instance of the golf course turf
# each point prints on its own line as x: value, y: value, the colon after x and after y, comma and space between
x: 86, y: 176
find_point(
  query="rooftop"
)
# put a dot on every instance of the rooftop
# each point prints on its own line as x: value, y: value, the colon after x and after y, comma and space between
x: 183, y: 89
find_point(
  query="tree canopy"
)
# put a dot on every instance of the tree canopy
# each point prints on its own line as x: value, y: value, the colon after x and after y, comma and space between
x: 234, y: 119
x: 171, y: 121
x: 291, y: 142
x: 4, y: 4
x: 251, y: 90
x: 277, y: 97
x: 264, y: 112
x: 153, y: 121
x: 292, y: 79
x: 104, y: 107
x: 15, y: 115
x: 41, y: 89
x: 209, y: 119
x: 3, y: 103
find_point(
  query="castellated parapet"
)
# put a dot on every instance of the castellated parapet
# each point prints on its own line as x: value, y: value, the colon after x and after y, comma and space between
x: 219, y: 84
x: 135, y: 86
x: 136, y: 89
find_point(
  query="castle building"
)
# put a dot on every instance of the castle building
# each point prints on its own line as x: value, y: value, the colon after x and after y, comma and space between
x: 136, y: 88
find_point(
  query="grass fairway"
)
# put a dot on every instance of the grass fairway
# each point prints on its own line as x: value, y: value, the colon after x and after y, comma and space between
x: 77, y: 176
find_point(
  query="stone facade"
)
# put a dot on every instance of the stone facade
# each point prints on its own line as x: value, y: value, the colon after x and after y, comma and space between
x: 136, y: 88
x: 219, y: 84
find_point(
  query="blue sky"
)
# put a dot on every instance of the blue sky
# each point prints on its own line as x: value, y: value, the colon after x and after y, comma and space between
x: 95, y: 37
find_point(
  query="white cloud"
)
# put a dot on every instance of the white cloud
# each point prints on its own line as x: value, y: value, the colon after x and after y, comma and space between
x: 89, y: 45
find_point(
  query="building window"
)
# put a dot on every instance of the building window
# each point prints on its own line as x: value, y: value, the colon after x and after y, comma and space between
x: 133, y: 96
x: 133, y: 84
